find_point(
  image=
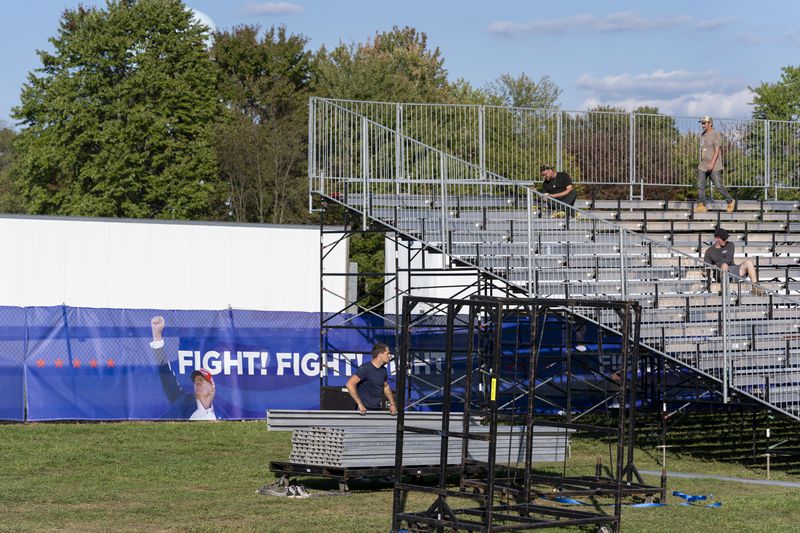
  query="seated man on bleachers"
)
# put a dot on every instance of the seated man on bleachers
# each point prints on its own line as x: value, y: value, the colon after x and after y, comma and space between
x: 720, y: 254
x: 557, y: 185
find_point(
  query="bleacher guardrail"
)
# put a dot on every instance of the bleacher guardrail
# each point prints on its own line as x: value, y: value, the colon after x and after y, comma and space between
x: 730, y: 330
x: 635, y: 150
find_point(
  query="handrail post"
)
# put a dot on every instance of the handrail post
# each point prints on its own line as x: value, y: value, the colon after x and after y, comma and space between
x: 559, y: 141
x: 364, y: 171
x: 631, y: 153
x: 312, y: 147
x: 623, y: 281
x: 443, y: 207
x: 725, y: 337
x: 398, y: 147
x: 482, y: 141
x: 767, y: 162
x: 529, y: 203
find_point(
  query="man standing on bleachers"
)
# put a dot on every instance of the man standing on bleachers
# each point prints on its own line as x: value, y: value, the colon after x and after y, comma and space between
x: 710, y: 164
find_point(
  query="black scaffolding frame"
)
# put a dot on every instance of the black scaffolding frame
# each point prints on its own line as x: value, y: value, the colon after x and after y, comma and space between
x: 508, y: 496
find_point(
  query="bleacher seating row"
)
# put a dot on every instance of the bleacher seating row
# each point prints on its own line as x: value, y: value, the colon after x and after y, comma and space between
x: 657, y: 261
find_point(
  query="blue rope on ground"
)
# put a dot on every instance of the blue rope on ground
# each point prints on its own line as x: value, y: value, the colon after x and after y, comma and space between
x: 690, y: 500
x: 653, y: 504
x: 688, y: 497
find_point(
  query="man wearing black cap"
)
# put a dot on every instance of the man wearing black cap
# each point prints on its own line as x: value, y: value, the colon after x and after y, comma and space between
x: 710, y: 165
x: 720, y: 254
x: 557, y: 185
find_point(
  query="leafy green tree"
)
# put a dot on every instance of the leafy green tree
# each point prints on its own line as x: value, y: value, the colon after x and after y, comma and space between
x: 522, y: 91
x: 8, y: 191
x: 118, y: 119
x: 393, y: 66
x: 596, y: 150
x: 519, y: 127
x: 261, y: 138
x: 462, y: 92
x: 658, y: 162
x: 780, y: 100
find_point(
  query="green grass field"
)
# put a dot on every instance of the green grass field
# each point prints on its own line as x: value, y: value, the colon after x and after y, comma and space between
x: 204, y: 476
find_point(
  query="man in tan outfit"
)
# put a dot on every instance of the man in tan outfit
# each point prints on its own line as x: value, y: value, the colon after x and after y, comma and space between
x: 710, y: 164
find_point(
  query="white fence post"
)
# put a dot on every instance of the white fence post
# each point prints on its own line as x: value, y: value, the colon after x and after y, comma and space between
x: 767, y: 165
x: 631, y: 153
x: 364, y: 171
x: 312, y: 146
x: 482, y: 141
x: 398, y: 148
x: 443, y: 207
x: 725, y: 369
x: 559, y: 141
x: 622, y: 274
x: 529, y: 204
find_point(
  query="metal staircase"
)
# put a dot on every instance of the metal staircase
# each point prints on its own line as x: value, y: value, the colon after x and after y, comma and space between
x: 743, y: 337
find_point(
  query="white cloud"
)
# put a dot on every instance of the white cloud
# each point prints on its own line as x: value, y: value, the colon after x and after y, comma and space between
x: 749, y: 39
x: 272, y: 8
x: 712, y: 24
x: 735, y: 105
x: 676, y: 92
x: 792, y: 37
x: 657, y: 84
x: 613, y: 22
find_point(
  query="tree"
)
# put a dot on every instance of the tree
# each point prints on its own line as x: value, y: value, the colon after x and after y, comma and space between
x: 780, y: 100
x: 118, y: 119
x: 261, y: 136
x: 393, y: 66
x: 8, y: 190
x: 522, y: 91
x: 596, y: 150
x: 519, y: 127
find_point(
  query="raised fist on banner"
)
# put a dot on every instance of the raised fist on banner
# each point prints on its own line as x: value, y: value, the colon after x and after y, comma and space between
x: 157, y: 325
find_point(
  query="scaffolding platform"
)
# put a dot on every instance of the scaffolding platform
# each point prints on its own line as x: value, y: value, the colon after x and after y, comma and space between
x: 344, y: 475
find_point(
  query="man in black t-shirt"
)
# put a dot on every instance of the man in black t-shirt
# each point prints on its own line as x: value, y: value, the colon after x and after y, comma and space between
x: 720, y: 254
x: 557, y: 185
x: 370, y: 382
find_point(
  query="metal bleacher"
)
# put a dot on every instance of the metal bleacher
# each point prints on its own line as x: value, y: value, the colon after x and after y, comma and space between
x: 741, y: 336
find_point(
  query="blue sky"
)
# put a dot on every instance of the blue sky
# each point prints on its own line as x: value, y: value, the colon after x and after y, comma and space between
x: 688, y: 58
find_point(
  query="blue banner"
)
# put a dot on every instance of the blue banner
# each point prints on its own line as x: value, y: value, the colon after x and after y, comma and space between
x: 68, y: 363
x: 12, y: 363
x: 122, y: 364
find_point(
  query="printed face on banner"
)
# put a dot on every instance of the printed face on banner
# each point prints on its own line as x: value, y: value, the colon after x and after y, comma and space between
x: 203, y: 391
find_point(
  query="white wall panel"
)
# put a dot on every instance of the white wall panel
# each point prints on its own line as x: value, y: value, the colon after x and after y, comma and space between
x: 163, y: 265
x: 11, y: 270
x: 86, y: 274
x: 130, y: 251
x: 43, y: 273
x: 250, y: 269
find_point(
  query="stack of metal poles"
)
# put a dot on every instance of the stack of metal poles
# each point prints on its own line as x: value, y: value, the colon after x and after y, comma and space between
x: 346, y: 439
